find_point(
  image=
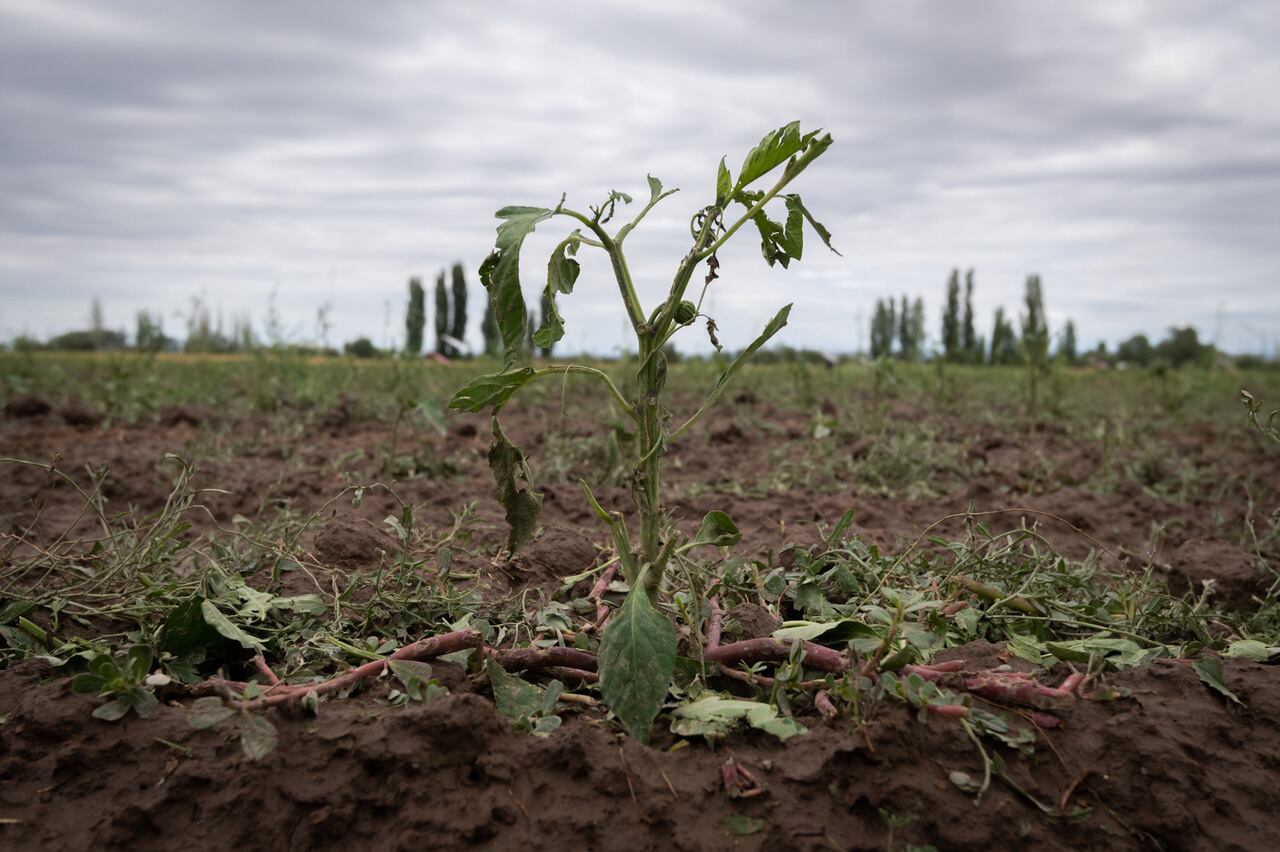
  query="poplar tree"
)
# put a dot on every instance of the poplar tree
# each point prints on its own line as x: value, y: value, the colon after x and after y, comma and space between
x: 458, y: 309
x: 951, y: 318
x: 415, y: 317
x: 442, y: 316
x: 969, y: 347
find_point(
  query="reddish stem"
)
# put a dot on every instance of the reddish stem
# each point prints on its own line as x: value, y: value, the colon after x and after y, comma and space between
x: 714, y: 624
x: 822, y: 701
x: 568, y: 673
x: 521, y: 659
x: 260, y: 663
x: 597, y: 594
x: 762, y: 650
x: 424, y: 649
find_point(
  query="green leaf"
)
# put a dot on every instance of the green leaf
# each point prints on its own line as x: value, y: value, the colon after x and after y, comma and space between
x: 717, y: 530
x: 741, y: 826
x: 817, y: 226
x: 724, y: 185
x: 523, y: 505
x: 772, y: 240
x: 637, y: 659
x: 257, y: 736
x: 492, y: 390
x: 1251, y: 649
x: 1210, y: 671
x: 219, y: 622
x: 143, y: 701
x: 87, y: 682
x: 207, y: 712
x: 713, y: 716
x: 311, y: 604
x: 114, y: 710
x: 793, y: 233
x: 516, y: 698
x: 828, y: 632
x: 655, y: 189
x: 186, y: 631
x: 775, y: 148
x: 500, y: 274
x: 562, y: 274
x: 775, y: 325
x: 15, y: 608
x: 139, y: 659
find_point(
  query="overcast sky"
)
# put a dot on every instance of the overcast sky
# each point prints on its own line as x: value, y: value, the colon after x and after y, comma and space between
x: 1128, y: 153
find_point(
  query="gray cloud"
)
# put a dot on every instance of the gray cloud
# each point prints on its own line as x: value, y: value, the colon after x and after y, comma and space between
x: 1126, y: 152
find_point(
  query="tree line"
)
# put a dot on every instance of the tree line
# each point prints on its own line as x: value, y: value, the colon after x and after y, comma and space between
x: 898, y: 331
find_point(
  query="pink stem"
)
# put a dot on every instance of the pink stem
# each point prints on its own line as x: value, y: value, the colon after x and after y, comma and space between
x: 597, y: 594
x: 714, y: 624
x: 568, y: 673
x: 265, y: 670
x: 760, y: 650
x: 424, y: 649
x: 822, y: 701
x: 520, y: 659
x: 948, y: 711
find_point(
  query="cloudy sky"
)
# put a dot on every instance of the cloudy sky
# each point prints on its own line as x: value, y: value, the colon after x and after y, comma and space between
x: 155, y: 152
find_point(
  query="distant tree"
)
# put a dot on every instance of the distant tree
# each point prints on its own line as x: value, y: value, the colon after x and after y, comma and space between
x: 362, y: 347
x: 905, y: 344
x: 442, y: 317
x: 87, y: 341
x: 969, y: 345
x: 489, y: 328
x: 951, y: 318
x: 544, y: 310
x: 1067, y: 344
x: 1183, y: 347
x: 1035, y: 338
x: 150, y: 336
x: 1137, y: 350
x: 531, y: 324
x: 96, y: 323
x: 881, y: 331
x: 917, y: 328
x: 1004, y: 341
x: 415, y: 318
x: 458, y: 309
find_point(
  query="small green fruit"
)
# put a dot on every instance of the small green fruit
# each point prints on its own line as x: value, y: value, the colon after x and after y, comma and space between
x: 686, y: 312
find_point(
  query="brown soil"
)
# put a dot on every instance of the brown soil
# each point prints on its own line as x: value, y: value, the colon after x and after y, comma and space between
x: 1171, y: 766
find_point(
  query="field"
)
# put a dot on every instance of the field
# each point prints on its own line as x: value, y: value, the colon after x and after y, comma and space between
x: 165, y: 518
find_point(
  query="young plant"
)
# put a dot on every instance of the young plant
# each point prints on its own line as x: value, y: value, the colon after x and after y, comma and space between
x: 637, y: 655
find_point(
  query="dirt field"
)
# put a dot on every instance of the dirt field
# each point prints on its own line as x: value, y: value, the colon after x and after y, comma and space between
x: 1168, y: 492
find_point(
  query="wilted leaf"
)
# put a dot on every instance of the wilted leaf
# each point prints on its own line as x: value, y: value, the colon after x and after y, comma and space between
x: 637, y: 659
x: 492, y: 390
x: 515, y: 698
x: 1251, y: 649
x: 207, y: 712
x: 1210, y: 671
x: 562, y: 274
x: 775, y: 325
x: 219, y: 622
x: 713, y: 715
x: 831, y: 632
x: 500, y: 273
x: 724, y: 185
x: 522, y: 504
x: 257, y: 736
x: 741, y: 826
x: 311, y: 604
x: 817, y: 226
x: 717, y: 530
